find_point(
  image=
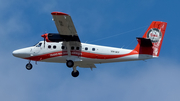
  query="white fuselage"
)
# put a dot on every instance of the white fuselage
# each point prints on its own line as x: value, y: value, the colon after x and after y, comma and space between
x: 87, y: 53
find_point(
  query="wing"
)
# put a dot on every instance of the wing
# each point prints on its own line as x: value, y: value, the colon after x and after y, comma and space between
x: 67, y: 30
x: 64, y: 23
x: 68, y: 33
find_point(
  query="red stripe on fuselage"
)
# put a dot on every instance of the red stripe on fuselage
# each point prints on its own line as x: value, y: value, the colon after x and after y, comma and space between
x: 80, y: 54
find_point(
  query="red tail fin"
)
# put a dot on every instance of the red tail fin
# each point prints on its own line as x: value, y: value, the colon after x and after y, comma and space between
x: 151, y: 42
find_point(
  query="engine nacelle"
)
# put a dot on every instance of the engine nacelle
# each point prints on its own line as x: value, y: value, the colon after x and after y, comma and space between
x: 55, y: 37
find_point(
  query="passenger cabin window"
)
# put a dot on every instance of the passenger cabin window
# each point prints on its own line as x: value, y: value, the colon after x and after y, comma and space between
x: 72, y: 48
x: 93, y: 49
x: 54, y: 47
x: 86, y: 48
x: 77, y: 48
x: 49, y: 46
x: 39, y: 45
x: 62, y: 47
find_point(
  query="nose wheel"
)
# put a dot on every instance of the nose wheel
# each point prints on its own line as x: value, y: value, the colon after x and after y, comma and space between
x: 29, y: 66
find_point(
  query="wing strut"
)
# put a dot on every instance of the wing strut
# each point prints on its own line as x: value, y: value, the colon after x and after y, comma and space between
x: 68, y: 49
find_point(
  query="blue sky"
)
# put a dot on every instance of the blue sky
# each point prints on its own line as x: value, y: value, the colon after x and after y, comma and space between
x: 23, y: 22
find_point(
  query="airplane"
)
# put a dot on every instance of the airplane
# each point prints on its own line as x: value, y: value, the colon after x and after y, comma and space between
x: 66, y: 47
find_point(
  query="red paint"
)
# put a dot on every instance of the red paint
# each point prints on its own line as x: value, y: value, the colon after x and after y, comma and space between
x: 58, y: 13
x: 80, y: 54
x: 153, y: 35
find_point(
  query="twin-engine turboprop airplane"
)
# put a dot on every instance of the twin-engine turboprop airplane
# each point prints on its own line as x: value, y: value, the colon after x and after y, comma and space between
x: 66, y: 47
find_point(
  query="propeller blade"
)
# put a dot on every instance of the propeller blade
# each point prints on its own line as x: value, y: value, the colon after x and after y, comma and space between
x: 44, y: 42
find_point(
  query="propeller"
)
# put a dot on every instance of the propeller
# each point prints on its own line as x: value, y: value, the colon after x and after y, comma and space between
x: 44, y: 42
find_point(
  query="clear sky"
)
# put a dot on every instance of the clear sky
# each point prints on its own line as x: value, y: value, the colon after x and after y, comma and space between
x: 22, y: 22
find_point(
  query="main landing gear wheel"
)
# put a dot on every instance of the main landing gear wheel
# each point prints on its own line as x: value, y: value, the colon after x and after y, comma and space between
x: 70, y: 63
x: 75, y: 74
x: 29, y: 66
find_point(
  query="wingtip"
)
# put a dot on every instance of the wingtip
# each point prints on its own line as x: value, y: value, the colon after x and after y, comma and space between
x: 160, y: 21
x: 58, y: 13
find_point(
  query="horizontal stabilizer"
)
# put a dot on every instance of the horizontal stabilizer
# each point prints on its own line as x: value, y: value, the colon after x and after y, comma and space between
x: 145, y: 42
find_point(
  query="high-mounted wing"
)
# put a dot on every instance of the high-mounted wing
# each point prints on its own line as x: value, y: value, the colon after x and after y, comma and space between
x: 69, y: 38
x: 64, y: 23
x: 68, y: 34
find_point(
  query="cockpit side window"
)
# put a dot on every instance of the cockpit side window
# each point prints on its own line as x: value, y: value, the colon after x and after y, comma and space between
x: 39, y: 45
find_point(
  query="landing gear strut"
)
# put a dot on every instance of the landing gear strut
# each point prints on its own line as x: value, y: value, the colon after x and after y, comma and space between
x: 75, y: 73
x: 29, y: 66
x: 70, y: 63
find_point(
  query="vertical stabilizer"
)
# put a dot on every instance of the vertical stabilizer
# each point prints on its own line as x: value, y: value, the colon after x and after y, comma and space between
x: 151, y: 41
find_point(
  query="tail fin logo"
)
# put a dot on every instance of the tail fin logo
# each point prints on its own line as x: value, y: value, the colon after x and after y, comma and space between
x: 154, y: 34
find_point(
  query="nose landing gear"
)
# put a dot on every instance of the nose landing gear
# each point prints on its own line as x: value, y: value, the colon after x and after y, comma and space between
x: 29, y: 66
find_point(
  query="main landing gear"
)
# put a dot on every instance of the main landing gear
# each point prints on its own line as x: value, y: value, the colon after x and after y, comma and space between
x: 70, y: 64
x: 75, y: 74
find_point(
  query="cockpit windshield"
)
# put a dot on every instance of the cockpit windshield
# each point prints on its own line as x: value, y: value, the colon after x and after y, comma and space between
x: 38, y: 44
